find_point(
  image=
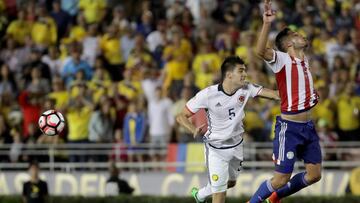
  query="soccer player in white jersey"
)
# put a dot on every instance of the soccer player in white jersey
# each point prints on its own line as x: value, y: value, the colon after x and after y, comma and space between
x: 295, y: 134
x: 224, y: 105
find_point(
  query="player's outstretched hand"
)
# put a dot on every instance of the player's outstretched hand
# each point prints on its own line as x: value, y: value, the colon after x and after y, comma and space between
x: 269, y: 14
x: 198, y: 130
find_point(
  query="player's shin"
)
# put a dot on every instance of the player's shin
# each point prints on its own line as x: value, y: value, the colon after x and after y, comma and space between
x: 263, y: 192
x: 296, y: 183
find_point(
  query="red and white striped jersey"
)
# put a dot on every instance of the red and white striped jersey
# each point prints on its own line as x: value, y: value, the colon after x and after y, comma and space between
x: 294, y: 81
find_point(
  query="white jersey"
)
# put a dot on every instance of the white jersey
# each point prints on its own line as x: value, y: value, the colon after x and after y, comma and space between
x: 224, y: 113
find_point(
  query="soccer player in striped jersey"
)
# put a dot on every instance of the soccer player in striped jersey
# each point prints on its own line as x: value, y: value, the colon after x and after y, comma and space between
x: 295, y: 134
x: 224, y: 105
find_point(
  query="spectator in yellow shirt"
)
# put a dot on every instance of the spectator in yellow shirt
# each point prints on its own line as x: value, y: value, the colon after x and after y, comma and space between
x: 205, y: 65
x: 94, y: 10
x: 177, y: 57
x: 44, y: 31
x: 129, y: 88
x: 326, y: 108
x: 78, y: 31
x: 19, y: 29
x: 111, y: 48
x: 348, y: 110
x: 139, y: 58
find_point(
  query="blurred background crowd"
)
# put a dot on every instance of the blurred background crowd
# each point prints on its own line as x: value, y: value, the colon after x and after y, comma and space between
x: 120, y: 71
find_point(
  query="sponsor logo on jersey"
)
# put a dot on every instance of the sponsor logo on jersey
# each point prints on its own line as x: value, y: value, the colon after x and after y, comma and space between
x: 218, y: 104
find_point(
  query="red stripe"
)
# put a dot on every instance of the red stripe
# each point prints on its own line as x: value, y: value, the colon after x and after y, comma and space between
x: 189, y: 109
x: 307, y: 86
x: 281, y: 82
x: 172, y: 156
x: 294, y: 85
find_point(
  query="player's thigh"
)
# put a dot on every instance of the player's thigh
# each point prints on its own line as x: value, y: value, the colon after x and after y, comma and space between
x: 311, y: 151
x: 285, y: 146
x: 218, y: 170
x: 235, y: 166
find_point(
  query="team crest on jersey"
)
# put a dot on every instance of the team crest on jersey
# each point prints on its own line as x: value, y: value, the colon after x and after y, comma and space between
x: 242, y: 98
x: 215, y: 177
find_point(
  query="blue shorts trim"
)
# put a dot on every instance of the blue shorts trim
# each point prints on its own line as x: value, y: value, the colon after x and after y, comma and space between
x: 293, y: 141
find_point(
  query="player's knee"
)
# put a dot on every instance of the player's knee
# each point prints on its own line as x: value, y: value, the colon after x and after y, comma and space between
x: 278, y: 182
x: 231, y: 184
x: 313, y: 178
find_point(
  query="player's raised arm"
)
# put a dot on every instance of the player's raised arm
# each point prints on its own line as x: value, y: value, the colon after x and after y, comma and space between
x: 268, y: 17
x: 269, y: 94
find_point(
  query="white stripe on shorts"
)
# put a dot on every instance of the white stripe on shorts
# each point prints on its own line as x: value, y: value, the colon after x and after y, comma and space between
x: 282, y: 141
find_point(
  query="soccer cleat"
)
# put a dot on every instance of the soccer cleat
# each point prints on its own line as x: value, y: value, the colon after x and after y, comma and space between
x: 194, y: 192
x: 273, y: 198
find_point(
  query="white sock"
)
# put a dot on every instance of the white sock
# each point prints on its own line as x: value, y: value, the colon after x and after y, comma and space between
x: 204, y: 192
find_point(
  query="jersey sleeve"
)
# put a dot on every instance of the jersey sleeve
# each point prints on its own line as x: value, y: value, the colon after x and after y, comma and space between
x: 199, y: 101
x: 278, y: 61
x: 254, y: 89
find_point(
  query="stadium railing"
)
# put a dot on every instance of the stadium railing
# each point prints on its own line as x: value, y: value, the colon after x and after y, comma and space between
x: 337, y: 155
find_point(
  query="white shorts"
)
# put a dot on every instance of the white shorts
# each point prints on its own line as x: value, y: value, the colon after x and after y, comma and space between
x: 223, y: 165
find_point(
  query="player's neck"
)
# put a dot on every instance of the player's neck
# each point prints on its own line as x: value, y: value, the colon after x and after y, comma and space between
x: 228, y: 88
x: 297, y: 53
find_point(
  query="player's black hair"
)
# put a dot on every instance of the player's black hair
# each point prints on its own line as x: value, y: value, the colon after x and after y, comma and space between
x: 34, y: 163
x: 229, y: 64
x: 280, y: 37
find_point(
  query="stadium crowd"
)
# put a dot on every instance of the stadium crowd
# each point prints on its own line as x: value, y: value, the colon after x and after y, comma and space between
x: 120, y: 71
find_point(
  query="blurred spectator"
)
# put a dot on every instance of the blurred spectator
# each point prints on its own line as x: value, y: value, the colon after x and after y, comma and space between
x: 135, y: 125
x: 145, y: 26
x: 127, y: 87
x: 61, y: 17
x: 15, y: 153
x: 94, y: 10
x: 111, y: 49
x: 101, y: 125
x: 326, y: 108
x: 44, y: 31
x: 59, y: 93
x: 161, y: 122
x: 12, y: 55
x: 78, y: 113
x: 35, y: 62
x: 127, y: 39
x: 78, y: 30
x: 348, y: 106
x: 157, y: 38
x: 19, y: 29
x: 205, y: 65
x: 74, y: 65
x: 327, y: 138
x: 90, y: 45
x: 30, y: 105
x: 140, y: 58
x: 177, y: 56
x: 35, y: 190
x: 37, y: 84
x: 8, y: 86
x: 70, y: 6
x: 116, y: 186
x: 52, y: 59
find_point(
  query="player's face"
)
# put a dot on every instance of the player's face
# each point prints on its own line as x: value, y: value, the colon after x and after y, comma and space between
x: 298, y: 40
x: 239, y: 75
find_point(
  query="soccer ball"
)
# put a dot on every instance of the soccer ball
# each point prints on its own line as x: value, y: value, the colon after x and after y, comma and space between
x: 51, y: 122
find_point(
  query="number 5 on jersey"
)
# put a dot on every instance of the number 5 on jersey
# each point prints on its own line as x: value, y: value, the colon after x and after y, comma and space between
x: 231, y: 113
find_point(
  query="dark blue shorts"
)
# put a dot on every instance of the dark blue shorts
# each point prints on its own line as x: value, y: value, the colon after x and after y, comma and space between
x: 293, y: 141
